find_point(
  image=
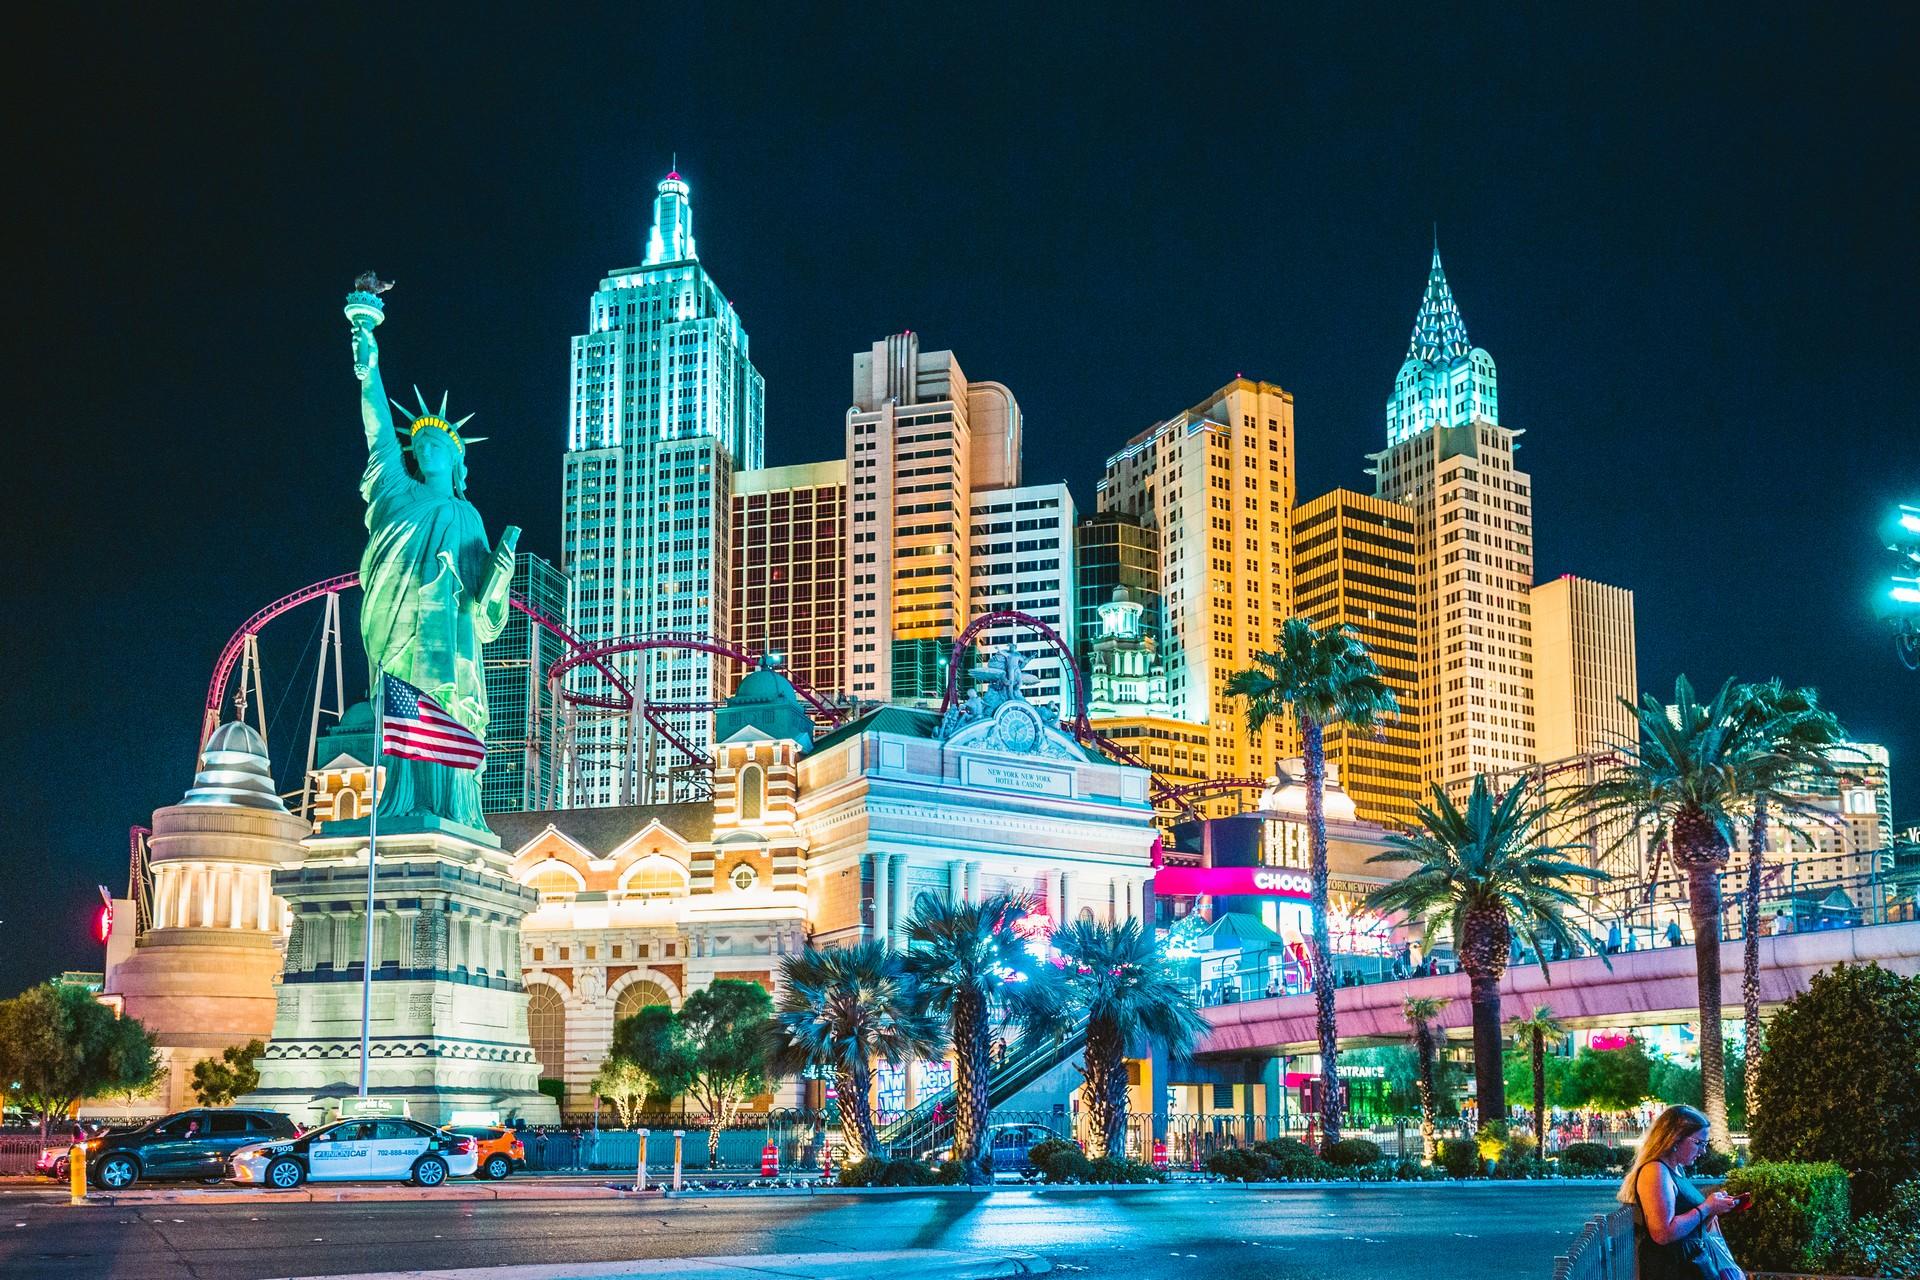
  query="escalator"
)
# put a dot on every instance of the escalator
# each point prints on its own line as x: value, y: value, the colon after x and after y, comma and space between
x: 1030, y: 1058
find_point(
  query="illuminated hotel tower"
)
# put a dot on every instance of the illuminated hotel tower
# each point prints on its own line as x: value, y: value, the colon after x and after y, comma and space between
x: 665, y: 407
x: 1216, y: 483
x: 1450, y: 462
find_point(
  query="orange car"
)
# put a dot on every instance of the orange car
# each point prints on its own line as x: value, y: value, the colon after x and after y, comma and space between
x: 500, y: 1149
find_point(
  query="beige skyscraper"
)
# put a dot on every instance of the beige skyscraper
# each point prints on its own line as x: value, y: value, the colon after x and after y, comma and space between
x: 1583, y: 663
x: 1217, y: 483
x: 924, y: 445
x: 1450, y: 461
x: 1354, y: 565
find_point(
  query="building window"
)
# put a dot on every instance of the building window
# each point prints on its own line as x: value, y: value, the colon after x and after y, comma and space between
x: 752, y: 792
x: 744, y: 877
x: 637, y: 996
x: 346, y: 805
x: 547, y: 1030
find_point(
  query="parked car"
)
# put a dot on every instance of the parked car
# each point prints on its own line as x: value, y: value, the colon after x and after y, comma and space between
x: 387, y: 1149
x: 501, y: 1152
x: 1004, y: 1148
x: 185, y: 1145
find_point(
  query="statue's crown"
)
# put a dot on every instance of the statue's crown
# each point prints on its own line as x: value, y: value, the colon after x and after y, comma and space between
x: 428, y: 420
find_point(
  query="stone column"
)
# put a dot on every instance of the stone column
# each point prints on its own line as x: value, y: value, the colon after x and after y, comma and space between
x: 973, y: 882
x: 1055, y: 907
x: 957, y: 880
x: 1130, y: 889
x: 1069, y: 896
x: 882, y: 898
x: 901, y: 906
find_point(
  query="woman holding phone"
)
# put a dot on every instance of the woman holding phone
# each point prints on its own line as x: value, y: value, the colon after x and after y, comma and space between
x: 1676, y: 1229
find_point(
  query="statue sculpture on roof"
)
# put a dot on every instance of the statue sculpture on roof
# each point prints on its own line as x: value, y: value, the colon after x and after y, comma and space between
x: 434, y: 590
x: 1001, y: 675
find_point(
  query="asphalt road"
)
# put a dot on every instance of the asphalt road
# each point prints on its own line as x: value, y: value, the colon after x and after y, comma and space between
x: 1490, y: 1231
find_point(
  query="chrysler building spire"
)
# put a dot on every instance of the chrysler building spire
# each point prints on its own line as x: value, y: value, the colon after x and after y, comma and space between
x: 1438, y: 331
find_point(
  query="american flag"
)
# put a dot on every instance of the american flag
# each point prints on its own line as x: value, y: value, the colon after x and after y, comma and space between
x: 416, y: 727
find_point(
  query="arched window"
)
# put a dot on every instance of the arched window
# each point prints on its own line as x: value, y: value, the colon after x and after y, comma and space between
x: 346, y: 805
x: 554, y: 879
x: 637, y: 996
x: 753, y: 786
x: 656, y: 877
x: 547, y: 1029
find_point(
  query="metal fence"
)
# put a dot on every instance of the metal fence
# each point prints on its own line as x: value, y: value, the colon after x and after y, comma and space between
x: 18, y: 1151
x: 1602, y: 1251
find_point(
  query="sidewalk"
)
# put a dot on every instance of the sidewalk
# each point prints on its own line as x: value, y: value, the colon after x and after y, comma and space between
x: 207, y: 1197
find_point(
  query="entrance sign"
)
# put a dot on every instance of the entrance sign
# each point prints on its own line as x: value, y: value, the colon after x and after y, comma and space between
x: 1272, y: 882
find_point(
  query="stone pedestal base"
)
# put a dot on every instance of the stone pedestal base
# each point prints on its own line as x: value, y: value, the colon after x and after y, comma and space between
x: 448, y: 1026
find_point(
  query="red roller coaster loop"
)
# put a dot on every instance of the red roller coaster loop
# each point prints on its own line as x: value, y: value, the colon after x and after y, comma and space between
x: 698, y: 641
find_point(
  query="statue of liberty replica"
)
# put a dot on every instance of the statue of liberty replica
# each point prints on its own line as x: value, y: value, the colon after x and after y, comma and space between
x: 401, y: 988
x: 432, y: 591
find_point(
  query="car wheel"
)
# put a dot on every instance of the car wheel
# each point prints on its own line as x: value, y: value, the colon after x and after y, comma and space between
x: 285, y: 1174
x: 430, y: 1172
x: 497, y: 1167
x: 119, y: 1172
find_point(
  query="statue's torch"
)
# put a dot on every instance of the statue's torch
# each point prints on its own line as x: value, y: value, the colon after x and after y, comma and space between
x: 365, y: 311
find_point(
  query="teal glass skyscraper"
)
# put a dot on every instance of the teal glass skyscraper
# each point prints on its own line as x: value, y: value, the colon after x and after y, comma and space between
x: 665, y: 406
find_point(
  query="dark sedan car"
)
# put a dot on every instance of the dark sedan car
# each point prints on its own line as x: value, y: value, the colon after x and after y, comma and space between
x: 185, y: 1145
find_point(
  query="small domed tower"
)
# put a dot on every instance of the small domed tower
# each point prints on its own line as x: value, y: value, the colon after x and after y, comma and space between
x: 202, y: 978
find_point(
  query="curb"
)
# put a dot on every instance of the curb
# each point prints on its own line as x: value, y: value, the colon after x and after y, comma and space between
x: 364, y: 1195
x: 923, y: 1264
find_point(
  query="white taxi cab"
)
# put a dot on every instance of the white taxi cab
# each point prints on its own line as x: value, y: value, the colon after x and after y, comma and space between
x: 381, y: 1149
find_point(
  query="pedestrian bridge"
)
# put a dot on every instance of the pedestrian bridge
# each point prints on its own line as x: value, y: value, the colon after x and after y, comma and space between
x: 1640, y: 988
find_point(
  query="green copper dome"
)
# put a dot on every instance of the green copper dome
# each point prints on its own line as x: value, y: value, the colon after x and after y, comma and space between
x: 765, y: 701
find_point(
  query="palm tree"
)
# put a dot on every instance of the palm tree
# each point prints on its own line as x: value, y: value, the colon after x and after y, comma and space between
x: 1691, y: 776
x: 1795, y: 746
x: 1535, y: 1031
x: 1421, y: 1011
x: 962, y: 956
x: 1324, y: 678
x: 1117, y: 974
x: 1483, y: 875
x: 841, y: 1009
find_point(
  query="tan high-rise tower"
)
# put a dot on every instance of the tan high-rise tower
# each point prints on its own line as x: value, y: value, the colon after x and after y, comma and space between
x: 1217, y: 484
x: 1450, y: 461
x: 1583, y: 657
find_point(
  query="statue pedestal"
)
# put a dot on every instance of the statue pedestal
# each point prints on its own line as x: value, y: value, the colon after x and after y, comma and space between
x: 449, y: 1016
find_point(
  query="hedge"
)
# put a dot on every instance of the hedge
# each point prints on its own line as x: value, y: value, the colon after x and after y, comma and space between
x: 1583, y: 1158
x: 1796, y: 1217
x: 1460, y: 1156
x: 1350, y: 1152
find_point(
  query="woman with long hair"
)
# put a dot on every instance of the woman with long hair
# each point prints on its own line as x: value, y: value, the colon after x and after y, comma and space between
x: 1676, y: 1229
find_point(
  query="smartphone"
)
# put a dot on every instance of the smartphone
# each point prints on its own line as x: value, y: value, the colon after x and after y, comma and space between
x: 1742, y: 1200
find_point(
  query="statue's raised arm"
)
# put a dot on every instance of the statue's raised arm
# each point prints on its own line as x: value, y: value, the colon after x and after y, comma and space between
x: 364, y: 311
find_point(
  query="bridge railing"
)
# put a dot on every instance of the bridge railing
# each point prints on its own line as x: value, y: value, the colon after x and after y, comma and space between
x: 1789, y: 905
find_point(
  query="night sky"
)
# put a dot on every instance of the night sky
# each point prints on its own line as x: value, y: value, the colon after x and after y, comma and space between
x: 1687, y: 242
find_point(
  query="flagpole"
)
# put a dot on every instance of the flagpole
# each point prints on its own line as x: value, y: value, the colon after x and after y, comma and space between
x: 373, y: 838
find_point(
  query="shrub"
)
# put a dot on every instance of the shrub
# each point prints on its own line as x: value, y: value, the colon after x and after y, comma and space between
x: 951, y: 1173
x: 1121, y: 1169
x: 1521, y: 1145
x: 1351, y: 1152
x: 1795, y: 1219
x: 1066, y: 1164
x: 1241, y: 1165
x: 878, y: 1171
x: 1492, y: 1138
x: 1522, y: 1167
x: 1583, y: 1159
x: 1712, y: 1164
x: 1409, y: 1170
x: 1292, y: 1159
x: 1046, y: 1149
x: 1881, y: 1244
x: 1836, y: 1079
x: 1460, y: 1157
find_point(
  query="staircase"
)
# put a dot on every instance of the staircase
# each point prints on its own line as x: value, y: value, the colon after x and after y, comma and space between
x: 1031, y: 1057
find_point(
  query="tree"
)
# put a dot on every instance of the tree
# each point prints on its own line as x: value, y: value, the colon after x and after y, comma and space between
x: 1610, y: 1079
x: 1324, y: 678
x: 1481, y: 876
x: 218, y: 1081
x: 1838, y: 1080
x: 1691, y: 775
x: 1676, y: 1083
x: 1791, y: 747
x: 58, y: 1045
x: 719, y: 1053
x: 961, y: 958
x: 1533, y: 1032
x: 1116, y: 973
x: 1420, y: 1012
x: 841, y: 1009
x: 626, y: 1084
